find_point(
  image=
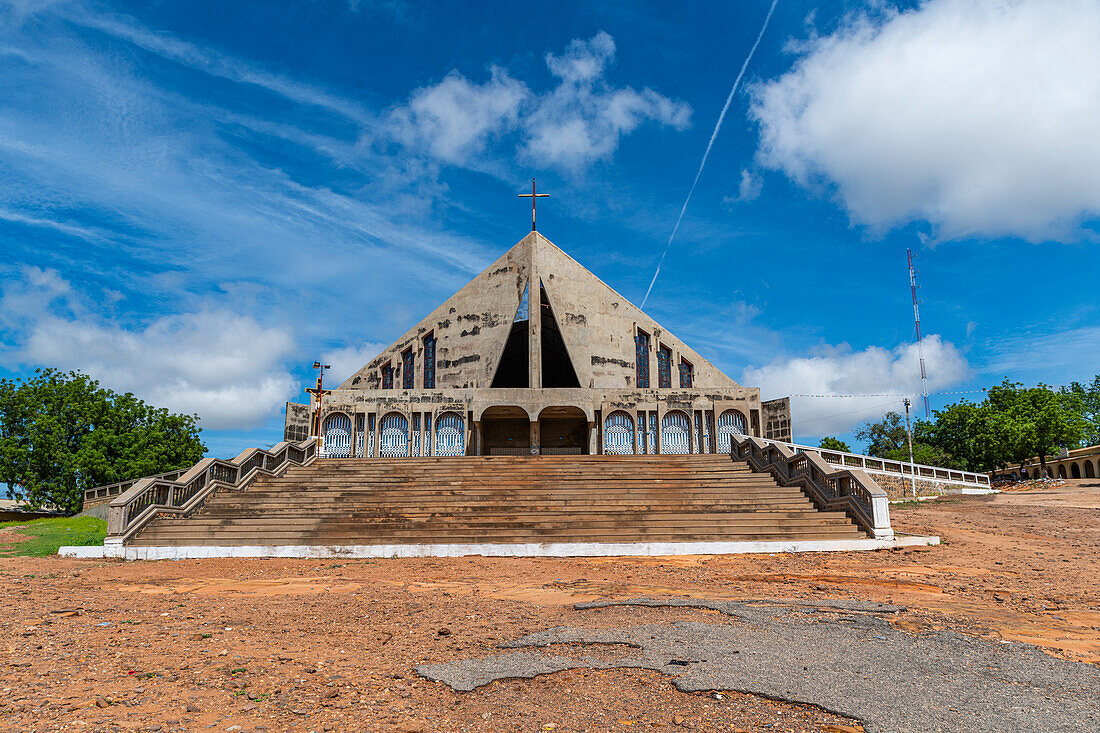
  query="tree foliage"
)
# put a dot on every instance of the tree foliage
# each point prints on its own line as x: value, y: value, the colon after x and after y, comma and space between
x: 1013, y: 423
x: 888, y: 439
x: 831, y: 443
x: 1089, y: 396
x: 62, y: 433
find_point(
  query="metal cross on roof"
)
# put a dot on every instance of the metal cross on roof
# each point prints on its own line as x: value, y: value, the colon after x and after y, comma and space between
x: 533, y: 195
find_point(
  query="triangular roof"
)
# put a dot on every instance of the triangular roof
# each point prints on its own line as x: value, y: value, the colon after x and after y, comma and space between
x: 596, y: 323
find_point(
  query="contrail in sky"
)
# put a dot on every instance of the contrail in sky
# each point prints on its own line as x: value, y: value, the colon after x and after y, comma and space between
x: 713, y: 135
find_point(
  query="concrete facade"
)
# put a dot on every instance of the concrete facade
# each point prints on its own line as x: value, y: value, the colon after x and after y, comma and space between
x: 538, y: 355
x: 1078, y: 463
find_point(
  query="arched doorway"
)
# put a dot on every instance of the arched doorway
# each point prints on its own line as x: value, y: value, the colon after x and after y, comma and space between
x: 675, y: 433
x: 1089, y: 470
x: 618, y: 434
x: 1061, y: 470
x: 1074, y: 470
x: 563, y: 431
x: 505, y: 431
x: 337, y: 432
x: 450, y: 435
x: 730, y: 423
x: 394, y: 436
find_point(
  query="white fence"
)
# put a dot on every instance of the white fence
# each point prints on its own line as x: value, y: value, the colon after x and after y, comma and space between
x: 885, y: 467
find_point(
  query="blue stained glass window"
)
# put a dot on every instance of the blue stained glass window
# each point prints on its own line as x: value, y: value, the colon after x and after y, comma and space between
x: 429, y: 361
x: 407, y: 369
x: 687, y: 373
x: 387, y: 376
x: 641, y: 350
x: 664, y: 367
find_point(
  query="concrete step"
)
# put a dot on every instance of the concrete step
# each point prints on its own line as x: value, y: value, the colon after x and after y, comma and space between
x: 505, y: 499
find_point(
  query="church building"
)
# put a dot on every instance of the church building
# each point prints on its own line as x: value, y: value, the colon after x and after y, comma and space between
x: 536, y: 355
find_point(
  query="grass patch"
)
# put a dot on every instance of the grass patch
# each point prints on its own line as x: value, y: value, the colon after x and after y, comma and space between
x: 45, y: 536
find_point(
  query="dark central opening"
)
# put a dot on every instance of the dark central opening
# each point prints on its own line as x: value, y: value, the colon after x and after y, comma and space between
x: 512, y: 370
x: 557, y: 368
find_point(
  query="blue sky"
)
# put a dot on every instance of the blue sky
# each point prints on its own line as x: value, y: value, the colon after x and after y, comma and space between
x: 198, y: 199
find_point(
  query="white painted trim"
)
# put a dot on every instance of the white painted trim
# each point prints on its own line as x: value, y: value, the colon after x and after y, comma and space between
x: 532, y: 549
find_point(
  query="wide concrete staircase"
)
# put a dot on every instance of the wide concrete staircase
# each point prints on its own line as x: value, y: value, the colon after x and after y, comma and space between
x: 506, y: 499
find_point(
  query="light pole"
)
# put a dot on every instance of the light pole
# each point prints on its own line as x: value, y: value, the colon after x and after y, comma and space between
x: 909, y: 433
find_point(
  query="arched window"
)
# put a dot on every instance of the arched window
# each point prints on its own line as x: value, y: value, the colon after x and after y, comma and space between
x: 730, y: 423
x: 450, y: 435
x: 394, y: 439
x: 1075, y: 471
x: 618, y: 434
x: 337, y: 432
x: 387, y: 376
x: 675, y: 433
x: 1061, y: 470
x: 1089, y: 470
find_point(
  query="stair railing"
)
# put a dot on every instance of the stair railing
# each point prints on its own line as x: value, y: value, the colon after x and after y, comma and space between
x: 830, y: 487
x: 179, y: 496
x: 902, y: 469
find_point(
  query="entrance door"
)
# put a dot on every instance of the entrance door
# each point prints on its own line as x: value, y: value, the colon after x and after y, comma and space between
x: 337, y: 433
x: 618, y: 434
x: 394, y: 436
x: 675, y: 433
x: 450, y: 435
x: 730, y: 423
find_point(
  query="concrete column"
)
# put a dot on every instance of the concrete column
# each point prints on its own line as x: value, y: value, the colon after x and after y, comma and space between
x: 594, y: 446
x: 535, y: 438
x: 477, y: 437
x: 534, y: 310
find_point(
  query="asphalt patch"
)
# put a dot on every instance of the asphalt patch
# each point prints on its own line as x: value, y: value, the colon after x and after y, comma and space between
x: 844, y: 657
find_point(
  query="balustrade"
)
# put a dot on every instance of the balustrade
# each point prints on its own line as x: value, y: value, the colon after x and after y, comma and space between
x: 830, y: 486
x: 186, y: 490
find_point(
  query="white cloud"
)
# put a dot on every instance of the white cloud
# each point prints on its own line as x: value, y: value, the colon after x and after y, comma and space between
x: 224, y: 366
x: 977, y: 116
x: 748, y: 189
x: 454, y: 119
x: 579, y: 121
x: 350, y: 359
x: 583, y: 118
x: 839, y: 370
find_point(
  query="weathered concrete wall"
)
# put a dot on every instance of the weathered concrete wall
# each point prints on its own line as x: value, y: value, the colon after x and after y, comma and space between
x: 598, y: 327
x: 296, y: 425
x: 777, y: 419
x: 470, y: 328
x: 897, y: 487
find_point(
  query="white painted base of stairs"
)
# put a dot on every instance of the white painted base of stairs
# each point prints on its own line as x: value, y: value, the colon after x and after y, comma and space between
x: 529, y: 549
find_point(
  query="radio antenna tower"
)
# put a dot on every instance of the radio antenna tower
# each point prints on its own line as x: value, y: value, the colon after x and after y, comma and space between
x: 920, y: 340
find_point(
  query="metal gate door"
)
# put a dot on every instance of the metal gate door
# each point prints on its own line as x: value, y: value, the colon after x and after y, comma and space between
x: 675, y: 433
x: 337, y: 433
x: 450, y: 435
x: 730, y: 422
x: 618, y: 434
x: 394, y: 438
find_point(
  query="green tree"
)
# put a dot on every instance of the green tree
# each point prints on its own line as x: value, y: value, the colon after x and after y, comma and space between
x: 1037, y: 420
x: 1089, y: 396
x: 831, y: 443
x: 973, y: 435
x: 62, y: 433
x: 887, y: 438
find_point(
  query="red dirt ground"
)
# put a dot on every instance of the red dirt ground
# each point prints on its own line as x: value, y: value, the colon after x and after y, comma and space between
x: 310, y: 645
